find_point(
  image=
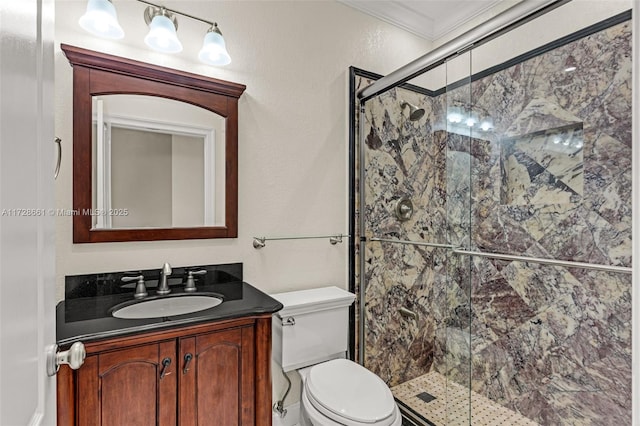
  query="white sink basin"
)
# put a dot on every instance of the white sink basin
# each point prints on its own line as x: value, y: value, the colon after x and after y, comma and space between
x: 166, y: 306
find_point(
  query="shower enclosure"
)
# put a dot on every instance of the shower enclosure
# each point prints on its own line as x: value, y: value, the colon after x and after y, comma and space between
x: 492, y: 213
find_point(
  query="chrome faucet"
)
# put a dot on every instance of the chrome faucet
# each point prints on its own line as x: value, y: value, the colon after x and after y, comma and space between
x: 163, y: 284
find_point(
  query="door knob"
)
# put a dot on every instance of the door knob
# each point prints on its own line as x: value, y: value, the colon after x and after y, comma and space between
x: 74, y: 357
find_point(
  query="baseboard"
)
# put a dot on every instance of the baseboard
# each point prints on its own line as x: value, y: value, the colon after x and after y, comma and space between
x: 292, y: 417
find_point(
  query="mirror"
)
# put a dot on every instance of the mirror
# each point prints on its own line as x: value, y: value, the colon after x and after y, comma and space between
x: 155, y: 151
x: 174, y: 151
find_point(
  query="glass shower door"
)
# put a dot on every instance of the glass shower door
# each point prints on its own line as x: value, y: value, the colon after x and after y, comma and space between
x: 496, y: 231
x: 415, y: 312
x: 455, y: 359
x: 551, y: 343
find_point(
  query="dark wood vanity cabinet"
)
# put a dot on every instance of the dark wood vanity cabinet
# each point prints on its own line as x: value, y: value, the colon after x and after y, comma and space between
x: 208, y: 374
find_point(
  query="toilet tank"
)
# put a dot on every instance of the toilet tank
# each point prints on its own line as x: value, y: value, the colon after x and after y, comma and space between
x: 312, y: 327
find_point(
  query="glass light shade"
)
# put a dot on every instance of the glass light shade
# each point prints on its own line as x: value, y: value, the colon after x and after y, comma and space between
x: 214, y: 50
x: 162, y: 35
x: 101, y: 20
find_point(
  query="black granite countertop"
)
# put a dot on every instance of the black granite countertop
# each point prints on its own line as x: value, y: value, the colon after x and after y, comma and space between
x: 86, y: 317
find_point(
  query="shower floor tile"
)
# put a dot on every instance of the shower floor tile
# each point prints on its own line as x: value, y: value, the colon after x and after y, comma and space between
x: 451, y: 404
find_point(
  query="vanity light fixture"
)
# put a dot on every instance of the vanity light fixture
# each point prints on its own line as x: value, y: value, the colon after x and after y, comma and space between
x: 101, y: 20
x: 162, y: 35
x: 214, y: 50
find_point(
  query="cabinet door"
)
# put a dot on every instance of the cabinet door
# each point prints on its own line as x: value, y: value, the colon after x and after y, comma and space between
x: 217, y: 384
x: 129, y: 387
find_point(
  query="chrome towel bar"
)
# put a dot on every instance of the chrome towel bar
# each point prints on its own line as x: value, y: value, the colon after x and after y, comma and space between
x: 259, y: 242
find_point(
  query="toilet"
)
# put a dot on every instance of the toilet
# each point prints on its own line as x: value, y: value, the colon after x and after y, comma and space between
x: 310, y: 335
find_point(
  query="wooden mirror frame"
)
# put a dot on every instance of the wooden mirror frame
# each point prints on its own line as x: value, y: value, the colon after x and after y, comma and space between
x: 97, y: 74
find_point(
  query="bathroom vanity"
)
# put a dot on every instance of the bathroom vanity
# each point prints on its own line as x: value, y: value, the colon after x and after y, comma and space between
x: 210, y: 367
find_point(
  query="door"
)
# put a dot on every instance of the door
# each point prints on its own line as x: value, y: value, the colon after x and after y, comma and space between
x: 27, y: 274
x: 132, y: 386
x: 217, y: 378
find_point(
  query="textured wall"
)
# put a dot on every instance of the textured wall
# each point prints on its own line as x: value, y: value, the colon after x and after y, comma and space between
x: 552, y: 179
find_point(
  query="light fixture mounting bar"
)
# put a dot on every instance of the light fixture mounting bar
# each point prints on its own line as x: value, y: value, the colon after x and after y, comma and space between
x: 177, y: 12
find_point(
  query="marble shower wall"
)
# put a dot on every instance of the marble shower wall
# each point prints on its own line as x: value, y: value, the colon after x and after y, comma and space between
x: 554, y: 343
x: 403, y: 159
x: 552, y: 179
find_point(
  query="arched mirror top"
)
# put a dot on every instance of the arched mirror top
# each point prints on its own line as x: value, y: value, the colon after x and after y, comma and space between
x: 196, y: 159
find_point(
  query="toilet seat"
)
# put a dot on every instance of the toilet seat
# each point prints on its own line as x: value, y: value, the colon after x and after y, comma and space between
x: 349, y: 394
x: 318, y: 419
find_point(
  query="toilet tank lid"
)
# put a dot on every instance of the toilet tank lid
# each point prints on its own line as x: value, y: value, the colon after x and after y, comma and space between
x: 316, y: 299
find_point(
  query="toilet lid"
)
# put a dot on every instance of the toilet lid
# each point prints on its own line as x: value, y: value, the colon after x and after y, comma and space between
x: 349, y: 391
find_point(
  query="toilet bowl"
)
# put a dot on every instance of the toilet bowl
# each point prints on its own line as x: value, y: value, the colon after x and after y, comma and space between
x: 310, y: 335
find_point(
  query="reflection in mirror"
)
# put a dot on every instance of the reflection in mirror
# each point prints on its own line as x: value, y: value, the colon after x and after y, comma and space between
x: 157, y: 163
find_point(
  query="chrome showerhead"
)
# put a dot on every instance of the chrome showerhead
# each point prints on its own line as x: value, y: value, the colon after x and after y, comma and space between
x: 415, y: 113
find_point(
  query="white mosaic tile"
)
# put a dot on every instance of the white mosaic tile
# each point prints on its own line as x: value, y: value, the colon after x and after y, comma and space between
x: 454, y: 403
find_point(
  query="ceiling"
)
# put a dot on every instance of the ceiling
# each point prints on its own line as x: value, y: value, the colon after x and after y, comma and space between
x: 429, y: 19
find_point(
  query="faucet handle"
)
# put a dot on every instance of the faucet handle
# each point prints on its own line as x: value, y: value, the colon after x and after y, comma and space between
x: 141, y: 289
x: 190, y: 286
x: 163, y: 283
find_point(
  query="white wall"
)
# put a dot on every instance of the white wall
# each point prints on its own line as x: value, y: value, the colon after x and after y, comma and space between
x: 293, y: 57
